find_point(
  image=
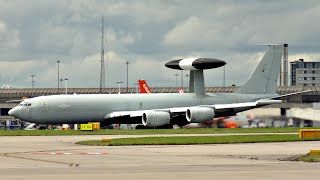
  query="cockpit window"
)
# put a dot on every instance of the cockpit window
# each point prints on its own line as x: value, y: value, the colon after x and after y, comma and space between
x: 24, y: 104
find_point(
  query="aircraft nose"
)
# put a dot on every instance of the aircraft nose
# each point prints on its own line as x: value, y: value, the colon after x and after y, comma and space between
x: 13, y: 112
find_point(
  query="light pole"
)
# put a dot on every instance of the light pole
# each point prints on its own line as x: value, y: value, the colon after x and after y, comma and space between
x: 176, y: 75
x: 61, y: 80
x: 127, y: 63
x: 224, y: 76
x: 182, y: 79
x: 136, y: 85
x: 119, y: 82
x: 58, y: 76
x: 66, y: 84
x: 32, y: 81
x: 187, y: 76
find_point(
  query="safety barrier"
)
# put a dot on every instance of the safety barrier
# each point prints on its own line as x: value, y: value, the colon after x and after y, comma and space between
x: 314, y: 151
x: 309, y: 133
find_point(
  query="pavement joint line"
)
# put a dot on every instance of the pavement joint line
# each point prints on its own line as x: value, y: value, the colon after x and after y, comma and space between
x: 12, y: 155
x: 69, y: 153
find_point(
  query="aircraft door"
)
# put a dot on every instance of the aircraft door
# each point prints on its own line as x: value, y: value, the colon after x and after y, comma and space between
x: 29, y: 112
x: 28, y: 109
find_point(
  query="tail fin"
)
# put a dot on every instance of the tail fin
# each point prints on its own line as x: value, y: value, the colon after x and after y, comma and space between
x: 264, y: 78
x: 144, y: 88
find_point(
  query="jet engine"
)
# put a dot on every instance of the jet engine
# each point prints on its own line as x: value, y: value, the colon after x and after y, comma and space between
x: 155, y: 118
x: 199, y: 114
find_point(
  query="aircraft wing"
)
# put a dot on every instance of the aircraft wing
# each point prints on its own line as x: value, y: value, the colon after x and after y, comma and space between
x: 260, y: 102
x: 216, y: 107
x: 15, y: 101
x: 222, y: 110
x: 140, y: 116
x: 123, y: 114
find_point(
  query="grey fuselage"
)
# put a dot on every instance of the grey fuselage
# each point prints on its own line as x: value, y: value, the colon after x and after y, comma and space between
x: 68, y: 109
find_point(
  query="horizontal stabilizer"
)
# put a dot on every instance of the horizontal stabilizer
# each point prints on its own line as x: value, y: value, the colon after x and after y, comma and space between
x: 290, y: 94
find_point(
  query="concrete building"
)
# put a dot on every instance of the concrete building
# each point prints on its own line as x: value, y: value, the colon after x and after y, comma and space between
x: 305, y: 73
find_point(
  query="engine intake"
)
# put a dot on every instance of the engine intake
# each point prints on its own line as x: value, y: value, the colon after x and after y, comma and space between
x: 155, y: 118
x: 199, y: 114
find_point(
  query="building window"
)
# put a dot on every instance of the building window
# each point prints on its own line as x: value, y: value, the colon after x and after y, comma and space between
x: 305, y: 78
x: 313, y: 72
x: 313, y: 78
x: 300, y: 71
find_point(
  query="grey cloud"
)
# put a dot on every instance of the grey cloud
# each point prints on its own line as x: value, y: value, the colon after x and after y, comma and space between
x: 147, y: 33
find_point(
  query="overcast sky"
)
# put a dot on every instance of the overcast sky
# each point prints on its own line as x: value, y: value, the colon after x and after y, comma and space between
x: 35, y: 34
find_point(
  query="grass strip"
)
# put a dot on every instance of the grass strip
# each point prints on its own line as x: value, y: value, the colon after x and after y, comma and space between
x: 145, y: 131
x: 310, y: 158
x: 190, y: 140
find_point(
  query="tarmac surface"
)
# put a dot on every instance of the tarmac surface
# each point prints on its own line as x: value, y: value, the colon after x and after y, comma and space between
x: 57, y: 157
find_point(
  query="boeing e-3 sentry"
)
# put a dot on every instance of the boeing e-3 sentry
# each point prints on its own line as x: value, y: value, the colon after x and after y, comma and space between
x: 163, y: 109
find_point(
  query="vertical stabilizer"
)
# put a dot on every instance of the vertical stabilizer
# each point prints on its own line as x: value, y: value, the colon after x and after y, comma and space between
x: 264, y: 78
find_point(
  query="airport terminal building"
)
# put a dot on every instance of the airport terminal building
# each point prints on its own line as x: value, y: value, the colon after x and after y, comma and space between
x: 305, y: 73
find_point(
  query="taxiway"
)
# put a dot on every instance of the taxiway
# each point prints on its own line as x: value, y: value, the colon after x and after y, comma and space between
x: 57, y: 157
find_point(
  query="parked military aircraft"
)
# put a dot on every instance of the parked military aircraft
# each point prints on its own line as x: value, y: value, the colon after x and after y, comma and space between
x: 163, y: 109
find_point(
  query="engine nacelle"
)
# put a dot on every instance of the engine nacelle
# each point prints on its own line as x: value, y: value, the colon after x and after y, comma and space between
x: 155, y: 118
x: 199, y: 114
